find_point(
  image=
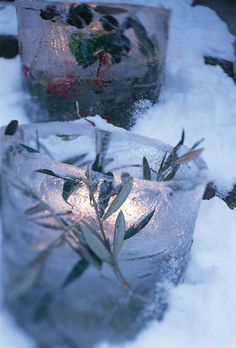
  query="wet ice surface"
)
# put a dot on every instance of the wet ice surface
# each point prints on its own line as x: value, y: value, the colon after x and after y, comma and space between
x: 202, y: 100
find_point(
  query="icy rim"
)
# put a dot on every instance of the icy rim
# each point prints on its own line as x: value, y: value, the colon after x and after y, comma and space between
x: 194, y: 172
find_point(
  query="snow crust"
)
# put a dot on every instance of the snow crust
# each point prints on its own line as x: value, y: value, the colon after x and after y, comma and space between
x: 202, y: 100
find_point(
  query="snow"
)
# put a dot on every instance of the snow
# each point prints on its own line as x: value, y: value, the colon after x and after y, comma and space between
x: 199, y: 98
x: 202, y: 100
x: 8, y: 22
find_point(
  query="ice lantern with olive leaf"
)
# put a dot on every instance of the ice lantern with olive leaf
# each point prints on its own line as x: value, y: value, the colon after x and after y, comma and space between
x: 41, y: 208
x: 105, y: 56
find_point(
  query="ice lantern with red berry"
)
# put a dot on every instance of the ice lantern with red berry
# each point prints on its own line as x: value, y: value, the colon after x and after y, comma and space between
x: 106, y: 57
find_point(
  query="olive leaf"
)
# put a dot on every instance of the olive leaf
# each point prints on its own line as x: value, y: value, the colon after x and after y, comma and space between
x: 38, y: 208
x: 119, y: 234
x: 78, y: 160
x: 95, y: 242
x: 68, y: 137
x: 171, y: 175
x: 189, y: 156
x: 109, y: 9
x: 43, y: 307
x: 11, y: 128
x: 69, y: 187
x: 97, y: 166
x: 29, y: 149
x: 77, y: 271
x: 29, y: 275
x: 181, y: 142
x: 46, y: 243
x: 120, y: 198
x: 90, y: 256
x: 83, y: 249
x: 146, y: 170
x: 46, y: 225
x: 161, y: 168
x: 47, y: 172
x: 102, y: 139
x: 105, y: 193
x: 169, y: 165
x: 139, y: 225
x: 197, y: 144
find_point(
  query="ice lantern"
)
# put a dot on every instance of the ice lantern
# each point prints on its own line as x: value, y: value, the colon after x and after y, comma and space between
x: 105, y: 56
x: 93, y: 307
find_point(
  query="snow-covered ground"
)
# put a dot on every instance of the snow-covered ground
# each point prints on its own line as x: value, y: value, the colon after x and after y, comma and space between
x: 202, y: 100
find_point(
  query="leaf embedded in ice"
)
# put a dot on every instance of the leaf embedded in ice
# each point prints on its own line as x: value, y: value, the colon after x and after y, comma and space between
x: 43, y: 307
x: 69, y: 187
x: 146, y: 170
x: 139, y: 225
x: 38, y: 208
x: 119, y: 234
x: 109, y: 9
x: 76, y: 160
x: 105, y: 193
x: 30, y: 274
x: 95, y: 242
x: 47, y: 172
x: 97, y: 166
x: 146, y: 46
x: 120, y: 198
x: 76, y: 272
x: 11, y: 128
x: 29, y: 149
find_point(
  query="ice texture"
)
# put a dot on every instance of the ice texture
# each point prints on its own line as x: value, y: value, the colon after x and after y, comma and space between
x: 53, y: 52
x: 157, y: 254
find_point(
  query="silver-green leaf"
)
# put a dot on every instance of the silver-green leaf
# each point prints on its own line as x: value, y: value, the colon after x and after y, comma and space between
x: 139, y: 225
x: 69, y: 187
x: 120, y: 198
x: 119, y: 234
x: 76, y: 272
x: 95, y: 243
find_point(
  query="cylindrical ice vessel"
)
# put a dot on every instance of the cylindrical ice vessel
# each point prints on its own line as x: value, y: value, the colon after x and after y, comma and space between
x: 105, y: 56
x: 93, y: 307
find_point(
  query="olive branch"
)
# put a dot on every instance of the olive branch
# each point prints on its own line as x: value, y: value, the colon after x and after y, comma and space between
x: 92, y: 245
